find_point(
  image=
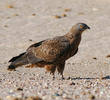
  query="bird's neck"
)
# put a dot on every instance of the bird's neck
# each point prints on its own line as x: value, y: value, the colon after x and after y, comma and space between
x: 73, y: 35
x: 74, y: 39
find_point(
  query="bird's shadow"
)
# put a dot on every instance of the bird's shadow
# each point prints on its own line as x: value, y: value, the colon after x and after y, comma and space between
x: 88, y: 78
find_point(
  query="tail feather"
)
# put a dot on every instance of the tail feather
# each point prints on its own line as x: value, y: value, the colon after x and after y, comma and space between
x: 11, y: 67
x: 14, y: 58
x: 18, y: 61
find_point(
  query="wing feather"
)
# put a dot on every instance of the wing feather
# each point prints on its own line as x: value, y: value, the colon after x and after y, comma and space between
x: 49, y: 51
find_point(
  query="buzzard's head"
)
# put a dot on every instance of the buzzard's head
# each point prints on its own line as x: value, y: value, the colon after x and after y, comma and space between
x: 82, y: 26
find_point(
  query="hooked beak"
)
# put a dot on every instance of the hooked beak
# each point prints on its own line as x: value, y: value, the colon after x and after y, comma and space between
x: 88, y: 27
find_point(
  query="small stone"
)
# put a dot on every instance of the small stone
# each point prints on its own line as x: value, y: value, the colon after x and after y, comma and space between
x: 5, y: 25
x: 15, y: 15
x: 32, y: 78
x: 83, y: 93
x: 33, y: 14
x: 34, y: 98
x: 91, y: 97
x: 107, y: 56
x: 94, y: 58
x: 76, y: 96
x: 57, y: 16
x: 67, y: 98
x: 64, y: 15
x: 69, y: 78
x: 11, y: 91
x: 19, y: 89
x: 64, y: 95
x: 9, y: 97
x: 46, y: 85
x: 30, y: 39
x: 17, y: 99
x: 10, y: 6
x: 72, y: 83
x: 67, y: 9
x: 56, y: 94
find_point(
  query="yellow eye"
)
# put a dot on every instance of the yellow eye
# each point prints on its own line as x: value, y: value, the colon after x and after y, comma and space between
x: 81, y: 26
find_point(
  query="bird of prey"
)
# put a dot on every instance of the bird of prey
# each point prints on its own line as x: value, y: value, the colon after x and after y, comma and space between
x: 51, y: 54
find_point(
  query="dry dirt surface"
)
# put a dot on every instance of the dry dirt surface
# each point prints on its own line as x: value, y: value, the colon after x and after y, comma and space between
x: 87, y: 74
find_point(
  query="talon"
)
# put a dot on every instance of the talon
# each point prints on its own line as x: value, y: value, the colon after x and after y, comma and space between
x: 62, y: 77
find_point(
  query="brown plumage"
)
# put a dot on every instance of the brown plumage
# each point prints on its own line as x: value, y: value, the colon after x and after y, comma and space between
x: 51, y: 54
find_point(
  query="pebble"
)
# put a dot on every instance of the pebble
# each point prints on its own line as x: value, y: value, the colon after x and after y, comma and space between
x: 19, y: 89
x: 46, y: 85
x: 56, y: 94
x: 17, y: 99
x: 34, y: 98
x: 94, y: 58
x: 91, y: 97
x: 67, y: 98
x: 10, y: 6
x: 33, y: 14
x: 30, y: 39
x: 64, y: 95
x: 5, y: 25
x: 64, y: 15
x: 15, y: 15
x: 11, y: 91
x: 72, y: 83
x: 107, y: 56
x: 95, y: 9
x: 69, y: 78
x: 57, y: 16
x: 67, y: 9
x: 76, y: 96
x: 9, y: 97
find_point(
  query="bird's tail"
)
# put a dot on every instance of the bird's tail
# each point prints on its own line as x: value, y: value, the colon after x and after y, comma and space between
x: 18, y: 61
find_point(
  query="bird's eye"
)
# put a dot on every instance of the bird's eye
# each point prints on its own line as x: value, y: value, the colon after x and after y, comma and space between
x: 81, y: 26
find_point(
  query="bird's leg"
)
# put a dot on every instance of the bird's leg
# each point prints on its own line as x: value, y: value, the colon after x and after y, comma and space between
x: 51, y: 68
x: 52, y: 71
x: 60, y: 69
x: 60, y: 72
x: 62, y: 77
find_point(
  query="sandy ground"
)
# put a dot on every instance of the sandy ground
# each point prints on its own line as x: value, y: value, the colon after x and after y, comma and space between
x: 24, y: 20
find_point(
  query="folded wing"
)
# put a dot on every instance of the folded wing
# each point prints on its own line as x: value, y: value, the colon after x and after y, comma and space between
x: 49, y: 51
